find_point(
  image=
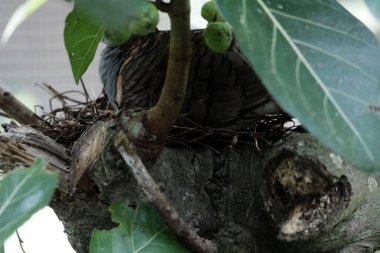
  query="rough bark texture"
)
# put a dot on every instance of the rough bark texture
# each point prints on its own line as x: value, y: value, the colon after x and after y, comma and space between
x: 17, y: 110
x: 294, y: 196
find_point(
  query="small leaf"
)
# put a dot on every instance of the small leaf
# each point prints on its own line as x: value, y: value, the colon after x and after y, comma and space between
x: 82, y: 35
x: 321, y: 64
x: 22, y: 12
x: 22, y: 193
x: 141, y: 230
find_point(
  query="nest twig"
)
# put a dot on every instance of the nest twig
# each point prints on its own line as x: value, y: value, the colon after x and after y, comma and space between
x: 66, y: 124
x: 263, y: 132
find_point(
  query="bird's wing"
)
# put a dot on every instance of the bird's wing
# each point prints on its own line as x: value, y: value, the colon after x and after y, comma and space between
x: 133, y: 73
x: 224, y: 90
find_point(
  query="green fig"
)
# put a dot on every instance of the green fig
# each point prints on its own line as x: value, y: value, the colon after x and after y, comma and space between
x: 145, y: 21
x: 210, y: 13
x: 218, y: 36
x: 117, y: 36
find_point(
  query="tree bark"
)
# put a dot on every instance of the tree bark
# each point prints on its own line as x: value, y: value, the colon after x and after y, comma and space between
x: 17, y: 110
x: 294, y: 196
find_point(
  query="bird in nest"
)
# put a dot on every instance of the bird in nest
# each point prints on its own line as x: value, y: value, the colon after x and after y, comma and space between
x: 223, y: 90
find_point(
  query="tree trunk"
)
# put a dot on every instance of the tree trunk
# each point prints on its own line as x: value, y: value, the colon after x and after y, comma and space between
x: 293, y: 196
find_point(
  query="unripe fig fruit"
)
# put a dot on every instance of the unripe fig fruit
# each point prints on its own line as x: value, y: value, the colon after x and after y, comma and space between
x: 210, y: 13
x: 117, y: 36
x: 145, y: 20
x: 218, y: 36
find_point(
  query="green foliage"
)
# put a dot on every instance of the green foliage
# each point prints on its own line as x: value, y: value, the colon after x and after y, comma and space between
x: 22, y: 193
x: 140, y: 230
x: 82, y: 35
x: 324, y: 72
x: 113, y: 13
x: 85, y: 25
x: 218, y: 36
x: 142, y: 22
x: 210, y: 13
x: 145, y: 20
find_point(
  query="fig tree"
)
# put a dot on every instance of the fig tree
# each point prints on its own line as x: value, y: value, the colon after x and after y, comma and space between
x: 145, y: 20
x: 218, y: 36
x: 210, y: 13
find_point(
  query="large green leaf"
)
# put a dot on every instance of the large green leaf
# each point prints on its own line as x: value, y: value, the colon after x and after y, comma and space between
x: 22, y: 193
x: 22, y: 12
x: 141, y: 230
x: 82, y: 35
x: 321, y: 64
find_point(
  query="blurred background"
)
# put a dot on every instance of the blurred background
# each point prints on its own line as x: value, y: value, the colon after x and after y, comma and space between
x: 36, y: 54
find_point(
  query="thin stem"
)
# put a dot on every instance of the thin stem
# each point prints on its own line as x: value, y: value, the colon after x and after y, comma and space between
x: 20, y: 241
x: 84, y: 90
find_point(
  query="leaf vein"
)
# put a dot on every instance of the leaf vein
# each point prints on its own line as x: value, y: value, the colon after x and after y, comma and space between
x: 328, y: 5
x: 88, y: 50
x: 320, y: 25
x: 151, y: 239
x: 84, y: 39
x: 299, y: 87
x: 322, y: 85
x: 15, y: 190
x: 338, y: 57
x: 349, y: 96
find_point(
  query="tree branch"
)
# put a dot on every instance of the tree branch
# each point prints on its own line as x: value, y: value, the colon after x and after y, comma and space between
x: 17, y: 110
x: 158, y: 199
x: 20, y: 146
x: 163, y: 115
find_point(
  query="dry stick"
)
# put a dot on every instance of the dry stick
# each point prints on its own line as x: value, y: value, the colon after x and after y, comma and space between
x: 17, y: 110
x: 158, y: 199
x: 20, y: 241
x: 4, y: 115
x: 163, y: 115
